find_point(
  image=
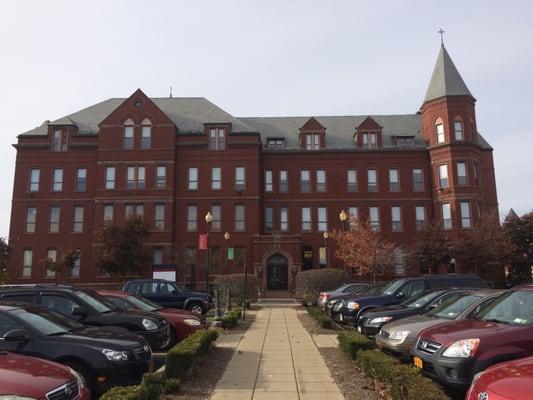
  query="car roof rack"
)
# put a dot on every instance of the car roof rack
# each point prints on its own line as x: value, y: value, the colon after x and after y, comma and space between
x: 35, y: 285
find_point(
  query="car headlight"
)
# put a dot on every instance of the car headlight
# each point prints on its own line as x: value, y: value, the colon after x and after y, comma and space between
x: 79, y: 377
x: 462, y: 348
x: 380, y: 320
x: 192, y: 322
x: 14, y: 397
x: 352, y: 305
x: 113, y: 355
x: 148, y: 324
x: 399, y: 335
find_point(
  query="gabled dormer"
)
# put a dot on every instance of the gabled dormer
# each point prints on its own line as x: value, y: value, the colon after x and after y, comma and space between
x: 312, y: 135
x: 59, y: 132
x: 217, y: 134
x: 368, y: 134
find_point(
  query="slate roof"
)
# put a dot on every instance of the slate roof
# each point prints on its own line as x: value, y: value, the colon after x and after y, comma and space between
x: 446, y: 79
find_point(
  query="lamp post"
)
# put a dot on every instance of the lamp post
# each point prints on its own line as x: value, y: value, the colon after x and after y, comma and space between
x: 326, y: 236
x: 208, y: 219
x: 226, y: 238
x: 343, y: 217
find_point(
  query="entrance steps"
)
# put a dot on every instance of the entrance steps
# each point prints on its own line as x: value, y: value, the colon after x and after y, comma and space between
x: 277, y: 302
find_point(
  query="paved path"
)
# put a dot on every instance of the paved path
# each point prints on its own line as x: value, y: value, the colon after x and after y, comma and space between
x: 276, y: 360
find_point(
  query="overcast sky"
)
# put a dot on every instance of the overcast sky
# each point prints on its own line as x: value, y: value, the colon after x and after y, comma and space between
x: 271, y: 58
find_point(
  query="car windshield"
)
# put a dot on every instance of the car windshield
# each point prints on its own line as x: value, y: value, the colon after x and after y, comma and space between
x: 47, y: 322
x: 377, y: 289
x: 392, y: 287
x: 453, y: 306
x: 94, y: 300
x: 143, y: 304
x: 514, y: 308
x: 420, y: 300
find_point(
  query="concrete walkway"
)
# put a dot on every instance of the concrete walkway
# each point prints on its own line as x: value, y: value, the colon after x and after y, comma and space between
x: 276, y: 359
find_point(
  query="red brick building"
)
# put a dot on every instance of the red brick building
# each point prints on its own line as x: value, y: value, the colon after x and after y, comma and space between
x: 274, y: 184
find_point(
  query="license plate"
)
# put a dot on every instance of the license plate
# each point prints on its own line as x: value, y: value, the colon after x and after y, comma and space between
x: 359, y: 329
x: 341, y: 318
x: 418, y: 362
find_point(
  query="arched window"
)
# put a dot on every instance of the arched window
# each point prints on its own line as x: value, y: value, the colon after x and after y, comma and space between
x: 458, y: 129
x: 128, y: 133
x: 146, y: 135
x: 439, y: 130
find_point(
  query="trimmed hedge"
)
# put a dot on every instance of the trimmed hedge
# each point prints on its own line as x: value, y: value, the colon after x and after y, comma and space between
x: 321, y: 318
x: 231, y: 319
x: 184, y: 355
x: 404, y: 381
x: 351, y: 342
x: 121, y: 393
x: 310, y: 283
x: 234, y: 283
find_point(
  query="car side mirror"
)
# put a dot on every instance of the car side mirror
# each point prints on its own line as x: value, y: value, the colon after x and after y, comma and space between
x: 80, y: 312
x: 433, y: 306
x: 17, y: 335
x: 400, y: 295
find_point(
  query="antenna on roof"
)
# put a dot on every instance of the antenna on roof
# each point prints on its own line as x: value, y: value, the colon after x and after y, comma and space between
x: 170, y: 91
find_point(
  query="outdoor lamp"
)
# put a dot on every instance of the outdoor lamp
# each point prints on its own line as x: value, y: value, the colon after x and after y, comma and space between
x: 208, y: 217
x: 326, y: 235
x: 343, y: 216
x: 226, y: 236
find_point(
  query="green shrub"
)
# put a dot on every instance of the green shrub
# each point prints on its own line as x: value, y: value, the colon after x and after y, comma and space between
x: 121, y: 393
x: 184, y: 355
x: 231, y: 319
x: 171, y: 386
x: 234, y: 283
x: 310, y: 283
x: 351, y: 342
x: 151, y: 386
x: 321, y: 318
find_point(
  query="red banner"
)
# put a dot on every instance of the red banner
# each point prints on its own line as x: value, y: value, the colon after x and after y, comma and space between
x: 202, y: 242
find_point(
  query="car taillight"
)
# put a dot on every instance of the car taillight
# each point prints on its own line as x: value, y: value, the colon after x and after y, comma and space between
x: 326, y: 295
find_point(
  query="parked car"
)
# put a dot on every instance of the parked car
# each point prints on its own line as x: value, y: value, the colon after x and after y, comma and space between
x: 511, y: 380
x: 402, y: 289
x: 24, y: 377
x: 398, y: 337
x: 181, y: 322
x: 347, y: 288
x: 370, y: 322
x: 333, y: 305
x: 169, y: 295
x: 91, y: 309
x: 102, y: 357
x: 502, y: 330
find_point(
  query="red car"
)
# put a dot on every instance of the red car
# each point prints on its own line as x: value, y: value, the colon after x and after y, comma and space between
x: 452, y: 353
x: 511, y: 380
x: 32, y: 378
x: 181, y: 322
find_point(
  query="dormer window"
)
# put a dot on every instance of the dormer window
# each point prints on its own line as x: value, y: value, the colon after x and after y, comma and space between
x: 458, y: 130
x: 370, y: 140
x: 439, y: 131
x: 405, y: 142
x: 312, y: 141
x: 146, y: 134
x: 275, y: 143
x: 128, y: 134
x: 59, y: 140
x: 217, y: 139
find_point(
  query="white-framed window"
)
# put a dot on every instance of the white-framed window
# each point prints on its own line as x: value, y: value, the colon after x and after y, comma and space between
x: 75, y: 271
x: 305, y: 181
x: 269, y: 187
x: 192, y: 217
x: 27, y: 263
x: 128, y: 137
x: 240, y: 215
x: 81, y: 180
x: 418, y: 180
x: 161, y: 177
x: 399, y: 261
x: 159, y: 222
x: 476, y: 174
x: 157, y: 256
x: 443, y: 175
x: 372, y: 180
x: 283, y: 181
x: 439, y: 130
x: 35, y: 175
x: 312, y: 141
x: 216, y: 222
x: 394, y: 180
x: 420, y: 212
x: 269, y: 219
x: 462, y: 178
x: 374, y: 218
x: 141, y: 177
x: 59, y: 143
x: 240, y: 178
x: 217, y: 139
x: 365, y: 140
x: 373, y: 141
x: 446, y: 216
x: 130, y: 178
x: 396, y: 218
x: 284, y: 219
x: 351, y: 179
x: 31, y: 219
x: 55, y: 214
x: 193, y: 179
x: 57, y: 180
x: 134, y: 210
x: 51, y: 255
x: 321, y: 185
x: 78, y: 219
x: 459, y: 130
x: 108, y: 212
x: 146, y: 134
x: 306, y: 219
x: 466, y: 221
x: 216, y: 178
x: 353, y: 215
x: 110, y: 177
x: 405, y: 142
x: 322, y: 219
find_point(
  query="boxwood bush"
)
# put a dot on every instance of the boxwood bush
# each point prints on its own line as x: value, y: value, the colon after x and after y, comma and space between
x: 234, y: 283
x: 351, y: 342
x: 231, y: 319
x: 310, y: 283
x: 121, y: 393
x: 321, y: 318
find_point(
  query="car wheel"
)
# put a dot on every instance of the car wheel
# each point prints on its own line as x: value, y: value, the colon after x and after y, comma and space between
x: 171, y: 340
x: 195, y: 308
x: 80, y: 369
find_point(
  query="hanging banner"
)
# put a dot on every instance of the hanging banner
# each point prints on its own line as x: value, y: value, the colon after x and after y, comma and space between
x: 230, y: 253
x: 202, y: 242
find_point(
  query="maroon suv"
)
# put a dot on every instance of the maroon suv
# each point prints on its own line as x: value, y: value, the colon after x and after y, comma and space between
x: 454, y: 352
x: 33, y: 378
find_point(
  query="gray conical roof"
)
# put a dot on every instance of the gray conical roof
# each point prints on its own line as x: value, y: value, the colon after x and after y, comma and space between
x: 446, y: 80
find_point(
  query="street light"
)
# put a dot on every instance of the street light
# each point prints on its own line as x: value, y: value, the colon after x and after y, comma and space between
x: 226, y: 238
x: 208, y: 219
x: 326, y: 236
x: 343, y: 217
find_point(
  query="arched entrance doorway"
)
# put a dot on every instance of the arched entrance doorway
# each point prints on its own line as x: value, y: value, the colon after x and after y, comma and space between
x: 277, y: 267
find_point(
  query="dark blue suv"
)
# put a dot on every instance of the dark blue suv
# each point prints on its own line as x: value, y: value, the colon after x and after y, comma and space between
x: 402, y: 289
x: 169, y: 295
